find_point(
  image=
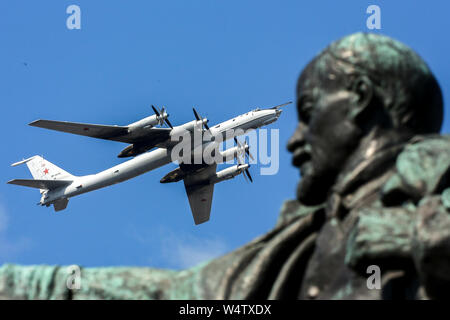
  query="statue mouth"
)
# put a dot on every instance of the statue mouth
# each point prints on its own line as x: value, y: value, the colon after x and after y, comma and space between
x: 300, y: 156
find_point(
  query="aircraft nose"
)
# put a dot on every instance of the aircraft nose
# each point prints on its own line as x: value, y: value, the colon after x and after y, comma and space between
x: 278, y: 112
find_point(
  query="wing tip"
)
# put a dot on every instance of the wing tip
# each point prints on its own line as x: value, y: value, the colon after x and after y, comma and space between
x: 201, y: 220
x: 34, y: 123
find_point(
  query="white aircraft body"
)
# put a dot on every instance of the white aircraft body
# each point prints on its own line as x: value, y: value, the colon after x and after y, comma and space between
x: 57, y: 186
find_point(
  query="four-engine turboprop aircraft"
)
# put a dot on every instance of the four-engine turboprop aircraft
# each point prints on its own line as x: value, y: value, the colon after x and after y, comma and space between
x: 57, y: 186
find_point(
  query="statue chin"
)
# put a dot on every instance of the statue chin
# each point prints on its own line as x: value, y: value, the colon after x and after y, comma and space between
x: 313, y: 189
x: 308, y: 194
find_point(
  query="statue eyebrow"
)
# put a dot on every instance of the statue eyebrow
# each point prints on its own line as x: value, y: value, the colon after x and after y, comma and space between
x: 304, y: 111
x: 305, y: 94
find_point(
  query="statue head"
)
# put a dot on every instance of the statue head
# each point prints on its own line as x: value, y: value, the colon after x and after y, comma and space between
x: 360, y: 87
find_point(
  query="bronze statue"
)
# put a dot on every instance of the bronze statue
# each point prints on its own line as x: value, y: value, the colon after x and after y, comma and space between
x: 374, y: 191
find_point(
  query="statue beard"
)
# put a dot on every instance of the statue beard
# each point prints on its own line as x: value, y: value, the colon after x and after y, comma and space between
x: 314, y: 188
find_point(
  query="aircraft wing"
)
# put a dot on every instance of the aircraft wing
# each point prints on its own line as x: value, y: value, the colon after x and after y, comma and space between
x: 114, y: 133
x: 200, y: 194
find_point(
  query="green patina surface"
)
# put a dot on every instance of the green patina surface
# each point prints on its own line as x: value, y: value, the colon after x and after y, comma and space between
x: 446, y: 198
x: 424, y: 165
x: 382, y: 232
x: 379, y: 234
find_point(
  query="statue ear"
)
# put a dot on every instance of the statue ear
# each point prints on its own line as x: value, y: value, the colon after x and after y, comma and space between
x: 363, y: 89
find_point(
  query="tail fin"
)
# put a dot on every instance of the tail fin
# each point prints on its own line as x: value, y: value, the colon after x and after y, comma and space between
x: 42, y: 169
x: 47, y: 177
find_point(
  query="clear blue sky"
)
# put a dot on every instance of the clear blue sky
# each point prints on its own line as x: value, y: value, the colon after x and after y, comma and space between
x: 224, y: 57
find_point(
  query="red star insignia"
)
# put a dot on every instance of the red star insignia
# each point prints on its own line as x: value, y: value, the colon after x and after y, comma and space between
x: 45, y: 171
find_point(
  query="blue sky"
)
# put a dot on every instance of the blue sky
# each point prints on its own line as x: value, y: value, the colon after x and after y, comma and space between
x: 225, y: 58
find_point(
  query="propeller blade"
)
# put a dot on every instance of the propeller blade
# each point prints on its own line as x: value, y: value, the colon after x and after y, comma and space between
x: 239, y: 146
x: 247, y: 151
x: 246, y: 172
x: 156, y: 111
x: 199, y: 118
x: 238, y: 158
x: 168, y: 123
x: 237, y: 142
x: 245, y: 177
x: 196, y: 115
x: 248, y: 175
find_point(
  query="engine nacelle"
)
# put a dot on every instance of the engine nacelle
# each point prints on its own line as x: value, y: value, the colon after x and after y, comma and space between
x: 181, y: 172
x: 173, y: 176
x: 233, y: 153
x: 228, y: 173
x: 225, y: 174
x: 188, y: 127
x: 133, y: 150
x: 145, y: 123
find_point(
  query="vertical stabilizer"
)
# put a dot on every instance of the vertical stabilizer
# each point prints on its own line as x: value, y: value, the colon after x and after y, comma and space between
x: 42, y: 169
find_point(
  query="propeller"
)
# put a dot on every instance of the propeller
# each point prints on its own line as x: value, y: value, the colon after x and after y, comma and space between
x: 162, y: 116
x: 199, y: 118
x: 247, y: 150
x: 246, y: 172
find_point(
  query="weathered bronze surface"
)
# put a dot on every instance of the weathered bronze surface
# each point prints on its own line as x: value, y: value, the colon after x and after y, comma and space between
x: 375, y: 190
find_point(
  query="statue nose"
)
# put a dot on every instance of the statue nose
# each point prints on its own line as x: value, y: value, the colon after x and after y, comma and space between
x: 298, y: 138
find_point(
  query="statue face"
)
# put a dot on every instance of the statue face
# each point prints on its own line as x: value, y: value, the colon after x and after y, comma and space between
x: 326, y: 134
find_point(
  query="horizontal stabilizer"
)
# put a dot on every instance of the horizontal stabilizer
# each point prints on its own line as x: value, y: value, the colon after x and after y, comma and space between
x: 15, y: 164
x: 281, y: 105
x: 41, y: 184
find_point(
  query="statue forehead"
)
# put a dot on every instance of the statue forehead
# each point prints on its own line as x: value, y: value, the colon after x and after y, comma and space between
x: 370, y: 54
x: 320, y: 73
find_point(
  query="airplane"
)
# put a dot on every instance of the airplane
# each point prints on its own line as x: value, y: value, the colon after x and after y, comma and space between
x: 57, y: 186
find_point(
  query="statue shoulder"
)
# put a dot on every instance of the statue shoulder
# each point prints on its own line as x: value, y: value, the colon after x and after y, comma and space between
x: 409, y: 229
x: 293, y: 209
x: 421, y: 169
